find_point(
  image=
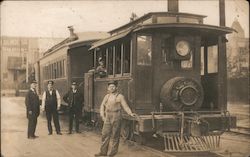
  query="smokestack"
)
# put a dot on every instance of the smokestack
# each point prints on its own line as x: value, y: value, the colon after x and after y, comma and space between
x: 72, y: 35
x: 173, y: 5
x: 222, y: 12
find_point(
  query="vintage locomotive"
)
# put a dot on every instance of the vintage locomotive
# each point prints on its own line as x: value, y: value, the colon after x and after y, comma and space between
x: 171, y: 67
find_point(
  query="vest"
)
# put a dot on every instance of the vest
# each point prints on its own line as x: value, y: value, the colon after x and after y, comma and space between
x: 51, y: 100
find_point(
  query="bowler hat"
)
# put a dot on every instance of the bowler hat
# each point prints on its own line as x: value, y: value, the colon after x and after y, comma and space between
x: 33, y: 81
x: 51, y: 82
x: 73, y: 83
x: 113, y: 82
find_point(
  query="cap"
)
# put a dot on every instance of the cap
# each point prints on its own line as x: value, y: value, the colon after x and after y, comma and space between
x: 113, y: 82
x: 33, y: 81
x: 51, y: 82
x: 100, y: 59
x: 74, y: 83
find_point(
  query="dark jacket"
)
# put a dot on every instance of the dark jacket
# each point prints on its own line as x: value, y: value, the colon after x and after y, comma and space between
x: 32, y: 103
x: 78, y: 102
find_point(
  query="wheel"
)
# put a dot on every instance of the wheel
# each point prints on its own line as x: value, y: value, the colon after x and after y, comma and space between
x: 126, y: 130
x: 140, y: 139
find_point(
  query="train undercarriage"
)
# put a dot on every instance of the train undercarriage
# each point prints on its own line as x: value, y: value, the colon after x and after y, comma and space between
x: 185, y: 131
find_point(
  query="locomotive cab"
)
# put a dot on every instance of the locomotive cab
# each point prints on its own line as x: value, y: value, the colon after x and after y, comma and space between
x: 176, y: 79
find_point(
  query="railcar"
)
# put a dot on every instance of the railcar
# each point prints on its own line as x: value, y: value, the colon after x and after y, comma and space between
x: 67, y: 61
x: 171, y: 67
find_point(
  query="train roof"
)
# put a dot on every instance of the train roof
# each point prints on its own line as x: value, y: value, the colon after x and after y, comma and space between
x: 149, y: 15
x: 83, y: 38
x: 171, y: 21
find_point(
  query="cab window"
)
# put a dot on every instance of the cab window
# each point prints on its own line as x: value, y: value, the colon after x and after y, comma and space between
x: 110, y: 61
x: 118, y: 59
x: 144, y: 50
x: 126, y: 56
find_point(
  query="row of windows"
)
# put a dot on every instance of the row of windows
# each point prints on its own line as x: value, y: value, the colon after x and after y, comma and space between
x: 54, y: 70
x: 114, y: 60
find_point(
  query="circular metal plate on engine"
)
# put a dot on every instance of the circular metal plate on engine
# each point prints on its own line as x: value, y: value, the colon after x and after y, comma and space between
x: 182, y: 93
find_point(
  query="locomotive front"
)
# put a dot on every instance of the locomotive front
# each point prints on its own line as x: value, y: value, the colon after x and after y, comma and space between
x: 172, y: 69
x: 179, y: 81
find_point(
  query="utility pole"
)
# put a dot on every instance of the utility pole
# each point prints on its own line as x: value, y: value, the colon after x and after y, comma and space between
x: 173, y: 5
x: 27, y: 63
x: 222, y: 64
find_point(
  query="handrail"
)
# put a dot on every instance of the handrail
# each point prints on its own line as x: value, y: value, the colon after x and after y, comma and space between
x: 177, y: 112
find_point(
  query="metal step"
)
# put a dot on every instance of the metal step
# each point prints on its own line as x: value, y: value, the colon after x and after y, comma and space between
x: 176, y: 143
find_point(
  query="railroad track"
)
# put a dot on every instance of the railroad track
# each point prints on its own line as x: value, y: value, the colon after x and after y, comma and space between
x: 240, y: 131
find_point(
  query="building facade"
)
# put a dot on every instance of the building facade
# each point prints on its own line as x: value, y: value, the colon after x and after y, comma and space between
x: 238, y: 65
x: 18, y: 55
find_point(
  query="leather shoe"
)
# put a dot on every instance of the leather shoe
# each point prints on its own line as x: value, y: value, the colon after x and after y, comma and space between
x: 31, y: 137
x: 100, y: 154
x: 50, y: 133
x: 35, y: 136
x: 59, y: 133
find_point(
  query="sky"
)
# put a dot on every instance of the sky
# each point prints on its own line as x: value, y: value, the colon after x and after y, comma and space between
x: 51, y: 18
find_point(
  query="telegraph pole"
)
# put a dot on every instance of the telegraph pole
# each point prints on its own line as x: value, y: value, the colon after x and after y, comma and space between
x: 222, y: 64
x: 173, y: 5
x: 27, y: 64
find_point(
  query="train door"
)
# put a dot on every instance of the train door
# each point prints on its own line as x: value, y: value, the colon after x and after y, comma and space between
x: 213, y: 74
x: 143, y: 74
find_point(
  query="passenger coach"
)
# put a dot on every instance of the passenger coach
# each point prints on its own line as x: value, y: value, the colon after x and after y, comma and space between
x: 67, y: 61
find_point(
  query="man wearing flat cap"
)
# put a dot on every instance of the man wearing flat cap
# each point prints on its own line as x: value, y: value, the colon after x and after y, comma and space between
x: 33, y: 109
x: 111, y: 113
x: 51, y: 101
x: 74, y: 98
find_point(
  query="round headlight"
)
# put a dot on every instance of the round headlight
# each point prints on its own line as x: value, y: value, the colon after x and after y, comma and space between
x: 182, y: 48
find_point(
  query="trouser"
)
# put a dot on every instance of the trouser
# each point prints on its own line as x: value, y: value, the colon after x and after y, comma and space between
x: 53, y: 114
x: 74, y: 114
x: 111, y: 127
x: 32, y: 121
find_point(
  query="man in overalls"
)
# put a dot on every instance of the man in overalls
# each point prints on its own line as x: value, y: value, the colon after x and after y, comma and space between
x: 111, y: 113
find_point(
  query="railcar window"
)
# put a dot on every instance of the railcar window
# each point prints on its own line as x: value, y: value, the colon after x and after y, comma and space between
x: 53, y: 71
x: 212, y: 59
x: 165, y: 51
x: 46, y: 72
x: 101, y: 56
x: 118, y: 57
x: 126, y: 57
x: 110, y: 61
x: 60, y: 68
x: 202, y: 72
x: 57, y: 70
x: 63, y: 68
x: 185, y: 64
x: 50, y: 71
x: 144, y: 50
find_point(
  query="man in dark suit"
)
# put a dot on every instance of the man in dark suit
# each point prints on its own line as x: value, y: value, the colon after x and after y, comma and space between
x: 74, y: 98
x: 33, y: 109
